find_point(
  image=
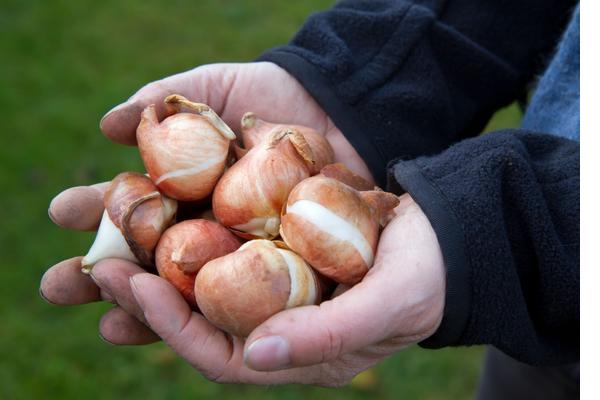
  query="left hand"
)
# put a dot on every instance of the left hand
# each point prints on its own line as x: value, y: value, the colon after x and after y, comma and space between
x: 399, y: 302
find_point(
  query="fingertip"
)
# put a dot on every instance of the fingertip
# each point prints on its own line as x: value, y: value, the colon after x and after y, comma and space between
x: 270, y: 353
x: 277, y: 344
x: 64, y: 284
x: 101, y: 187
x: 117, y: 327
x: 164, y: 308
x: 78, y: 208
x: 153, y: 291
x: 315, y: 334
x: 140, y: 282
x: 112, y: 275
x: 120, y: 123
x: 42, y: 295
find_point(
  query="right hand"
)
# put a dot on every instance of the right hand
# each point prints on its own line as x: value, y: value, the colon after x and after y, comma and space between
x: 231, y: 90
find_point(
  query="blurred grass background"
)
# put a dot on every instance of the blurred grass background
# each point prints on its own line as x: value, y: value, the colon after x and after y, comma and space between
x: 64, y: 63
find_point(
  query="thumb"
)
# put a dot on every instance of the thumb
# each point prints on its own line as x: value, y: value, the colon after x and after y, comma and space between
x: 120, y: 123
x: 315, y: 334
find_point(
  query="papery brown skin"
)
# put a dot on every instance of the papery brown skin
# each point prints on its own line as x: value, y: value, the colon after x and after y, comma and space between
x: 241, y: 290
x: 186, y: 247
x: 258, y: 185
x: 340, y: 172
x: 382, y: 202
x: 256, y: 130
x: 182, y: 142
x: 137, y: 208
x: 378, y: 200
x: 332, y: 257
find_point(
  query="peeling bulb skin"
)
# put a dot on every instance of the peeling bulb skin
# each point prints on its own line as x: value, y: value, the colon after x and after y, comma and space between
x: 260, y: 227
x: 187, y: 152
x: 241, y: 290
x: 340, y: 172
x: 179, y: 103
x: 169, y: 208
x: 256, y: 130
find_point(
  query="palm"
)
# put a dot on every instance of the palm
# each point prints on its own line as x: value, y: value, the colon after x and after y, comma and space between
x: 270, y: 92
x: 231, y: 90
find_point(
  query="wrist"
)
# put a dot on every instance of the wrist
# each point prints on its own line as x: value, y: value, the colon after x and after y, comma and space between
x: 433, y: 271
x: 450, y: 238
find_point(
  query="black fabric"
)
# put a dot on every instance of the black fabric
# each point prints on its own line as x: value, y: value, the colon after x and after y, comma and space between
x: 514, y: 197
x: 403, y: 79
x: 408, y: 78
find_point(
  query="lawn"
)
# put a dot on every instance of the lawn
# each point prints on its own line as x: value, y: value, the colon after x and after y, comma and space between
x: 64, y: 63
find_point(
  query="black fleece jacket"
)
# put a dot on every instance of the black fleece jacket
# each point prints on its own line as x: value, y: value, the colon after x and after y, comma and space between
x: 405, y: 79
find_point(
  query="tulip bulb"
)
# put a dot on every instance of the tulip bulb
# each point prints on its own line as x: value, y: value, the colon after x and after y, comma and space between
x: 241, y: 290
x: 256, y: 130
x: 135, y: 216
x: 249, y: 196
x: 187, y: 152
x: 186, y: 247
x: 335, y: 227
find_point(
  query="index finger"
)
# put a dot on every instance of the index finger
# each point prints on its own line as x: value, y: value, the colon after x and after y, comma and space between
x: 219, y: 357
x: 64, y: 284
x: 120, y: 123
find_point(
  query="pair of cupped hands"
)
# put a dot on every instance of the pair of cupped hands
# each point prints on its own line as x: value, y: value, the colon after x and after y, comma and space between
x: 398, y: 303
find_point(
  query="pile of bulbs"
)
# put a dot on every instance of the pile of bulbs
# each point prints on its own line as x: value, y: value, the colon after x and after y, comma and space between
x: 281, y: 183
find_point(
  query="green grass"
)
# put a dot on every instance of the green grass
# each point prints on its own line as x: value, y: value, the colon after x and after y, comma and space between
x: 64, y: 63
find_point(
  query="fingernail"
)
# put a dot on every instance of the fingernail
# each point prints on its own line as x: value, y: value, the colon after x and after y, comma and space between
x: 112, y: 110
x: 135, y: 290
x: 47, y: 300
x: 104, y: 295
x: 268, y: 354
x: 52, y: 218
x: 107, y: 295
x: 104, y: 339
x: 92, y: 277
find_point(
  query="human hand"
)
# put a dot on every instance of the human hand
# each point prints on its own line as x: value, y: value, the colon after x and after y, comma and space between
x: 398, y: 303
x: 232, y: 90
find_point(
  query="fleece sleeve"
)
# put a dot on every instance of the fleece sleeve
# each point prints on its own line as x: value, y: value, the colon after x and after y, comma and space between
x: 402, y: 77
x: 505, y: 208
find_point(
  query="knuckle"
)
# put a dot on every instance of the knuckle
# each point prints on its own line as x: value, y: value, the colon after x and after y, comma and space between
x: 333, y: 344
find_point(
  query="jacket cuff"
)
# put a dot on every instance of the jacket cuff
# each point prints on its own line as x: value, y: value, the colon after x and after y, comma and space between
x: 406, y: 176
x: 342, y: 115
